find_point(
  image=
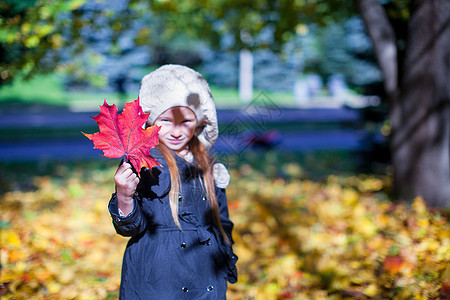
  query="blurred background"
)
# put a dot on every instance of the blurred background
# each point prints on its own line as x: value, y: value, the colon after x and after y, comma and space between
x: 334, y: 121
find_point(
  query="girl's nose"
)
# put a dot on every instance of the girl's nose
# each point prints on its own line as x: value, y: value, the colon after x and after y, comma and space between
x: 175, y: 132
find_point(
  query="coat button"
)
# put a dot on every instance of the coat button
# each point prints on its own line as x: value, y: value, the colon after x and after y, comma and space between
x: 183, y: 245
x: 185, y: 289
x: 204, y: 198
x: 180, y: 198
x: 210, y: 288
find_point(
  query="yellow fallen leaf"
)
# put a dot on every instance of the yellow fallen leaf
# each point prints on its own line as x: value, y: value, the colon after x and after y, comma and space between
x: 371, y: 290
x: 350, y: 196
x: 446, y: 275
x: 419, y: 206
x: 66, y: 275
x: 54, y: 287
x: 9, y: 238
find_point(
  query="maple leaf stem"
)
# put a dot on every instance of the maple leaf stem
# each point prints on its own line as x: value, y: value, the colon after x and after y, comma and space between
x: 127, y: 160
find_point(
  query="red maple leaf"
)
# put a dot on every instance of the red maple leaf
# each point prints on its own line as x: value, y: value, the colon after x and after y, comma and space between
x: 123, y: 135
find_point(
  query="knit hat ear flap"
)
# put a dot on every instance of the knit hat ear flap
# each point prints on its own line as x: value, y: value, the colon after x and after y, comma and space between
x: 175, y: 85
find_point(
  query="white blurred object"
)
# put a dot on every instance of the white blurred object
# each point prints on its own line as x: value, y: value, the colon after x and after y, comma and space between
x: 245, y: 76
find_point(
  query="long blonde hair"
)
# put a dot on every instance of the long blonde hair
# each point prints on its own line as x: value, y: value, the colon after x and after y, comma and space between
x: 205, y: 162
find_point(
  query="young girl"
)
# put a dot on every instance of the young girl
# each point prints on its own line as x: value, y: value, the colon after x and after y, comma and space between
x: 176, y: 214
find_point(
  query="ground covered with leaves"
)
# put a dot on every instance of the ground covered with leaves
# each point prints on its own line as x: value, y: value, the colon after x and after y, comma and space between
x: 338, y: 237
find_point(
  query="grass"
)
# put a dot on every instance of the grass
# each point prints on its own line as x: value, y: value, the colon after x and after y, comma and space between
x: 49, y: 90
x: 45, y: 89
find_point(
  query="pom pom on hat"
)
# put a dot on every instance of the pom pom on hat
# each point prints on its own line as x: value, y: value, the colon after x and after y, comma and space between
x: 175, y: 85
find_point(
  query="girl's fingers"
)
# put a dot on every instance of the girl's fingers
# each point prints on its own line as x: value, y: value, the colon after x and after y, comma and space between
x: 125, y: 176
x: 121, y: 169
x: 125, y: 166
x: 126, y: 180
x: 128, y: 167
x: 129, y: 175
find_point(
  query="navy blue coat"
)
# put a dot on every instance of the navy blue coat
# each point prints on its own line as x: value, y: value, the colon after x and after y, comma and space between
x: 162, y: 262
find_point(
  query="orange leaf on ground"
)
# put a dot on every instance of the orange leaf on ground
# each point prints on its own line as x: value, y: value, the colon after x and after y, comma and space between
x: 123, y: 135
x: 394, y: 264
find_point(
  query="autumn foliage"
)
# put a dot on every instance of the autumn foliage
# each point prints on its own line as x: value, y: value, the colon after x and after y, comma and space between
x: 341, y: 238
x: 123, y: 136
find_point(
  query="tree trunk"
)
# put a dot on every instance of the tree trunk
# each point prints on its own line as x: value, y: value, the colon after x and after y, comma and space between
x: 420, y: 116
x: 420, y: 103
x: 384, y: 42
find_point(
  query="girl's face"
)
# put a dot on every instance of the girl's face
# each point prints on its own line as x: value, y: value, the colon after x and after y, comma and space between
x: 178, y: 125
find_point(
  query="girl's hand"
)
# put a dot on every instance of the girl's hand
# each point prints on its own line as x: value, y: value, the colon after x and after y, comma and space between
x: 126, y: 183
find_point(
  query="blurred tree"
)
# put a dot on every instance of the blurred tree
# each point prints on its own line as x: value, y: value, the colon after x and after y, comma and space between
x: 41, y: 36
x: 411, y: 41
x: 414, y: 59
x: 29, y: 31
x: 410, y: 38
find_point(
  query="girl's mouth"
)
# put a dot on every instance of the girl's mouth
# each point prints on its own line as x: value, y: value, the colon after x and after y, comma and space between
x: 175, y: 142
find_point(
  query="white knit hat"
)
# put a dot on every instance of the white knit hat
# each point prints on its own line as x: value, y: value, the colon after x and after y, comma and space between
x: 175, y: 85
